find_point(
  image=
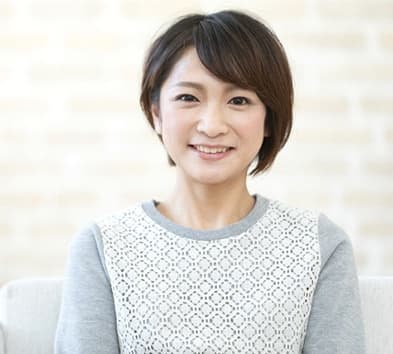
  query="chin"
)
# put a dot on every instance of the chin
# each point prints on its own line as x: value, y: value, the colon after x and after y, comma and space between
x: 211, y: 179
x: 211, y: 175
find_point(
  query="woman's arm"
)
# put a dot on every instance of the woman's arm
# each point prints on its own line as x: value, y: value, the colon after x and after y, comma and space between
x: 335, y: 323
x: 87, y: 321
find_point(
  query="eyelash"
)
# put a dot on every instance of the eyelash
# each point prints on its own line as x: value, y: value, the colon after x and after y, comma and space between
x: 246, y: 100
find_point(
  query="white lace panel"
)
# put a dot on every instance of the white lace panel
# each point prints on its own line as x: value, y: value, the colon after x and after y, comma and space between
x: 249, y: 293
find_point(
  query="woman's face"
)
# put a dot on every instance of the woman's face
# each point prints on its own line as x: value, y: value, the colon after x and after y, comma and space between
x: 197, y: 111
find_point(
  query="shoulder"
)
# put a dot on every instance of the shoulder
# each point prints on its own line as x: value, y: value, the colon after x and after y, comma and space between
x: 285, y: 212
x: 84, y: 241
x: 297, y: 225
x: 120, y: 224
x: 331, y: 237
x: 328, y: 231
x: 334, y: 240
x: 331, y: 231
x: 87, y: 243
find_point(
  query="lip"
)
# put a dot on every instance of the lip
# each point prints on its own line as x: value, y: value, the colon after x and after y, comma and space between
x: 211, y: 157
x: 212, y: 146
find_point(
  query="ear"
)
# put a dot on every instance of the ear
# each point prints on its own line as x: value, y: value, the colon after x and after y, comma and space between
x: 155, y: 111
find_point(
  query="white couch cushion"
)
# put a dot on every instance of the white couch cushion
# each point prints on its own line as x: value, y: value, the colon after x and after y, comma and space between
x: 29, y: 310
x: 2, y: 340
x: 376, y: 294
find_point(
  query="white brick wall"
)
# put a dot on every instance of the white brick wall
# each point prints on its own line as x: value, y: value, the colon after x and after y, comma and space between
x: 74, y: 143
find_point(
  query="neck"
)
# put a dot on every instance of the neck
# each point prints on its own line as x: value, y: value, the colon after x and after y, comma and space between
x: 207, y: 207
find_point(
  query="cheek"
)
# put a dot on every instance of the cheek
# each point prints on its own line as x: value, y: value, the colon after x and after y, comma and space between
x: 175, y: 127
x: 253, y: 128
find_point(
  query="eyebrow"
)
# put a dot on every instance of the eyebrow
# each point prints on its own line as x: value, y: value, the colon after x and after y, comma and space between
x: 229, y: 86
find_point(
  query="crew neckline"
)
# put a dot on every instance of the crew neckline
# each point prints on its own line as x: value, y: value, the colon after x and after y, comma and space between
x: 234, y: 229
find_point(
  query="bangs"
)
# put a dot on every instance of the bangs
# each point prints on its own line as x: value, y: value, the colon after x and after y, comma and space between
x: 229, y: 52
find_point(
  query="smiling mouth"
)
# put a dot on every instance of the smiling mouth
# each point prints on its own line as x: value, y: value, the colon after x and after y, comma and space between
x: 211, y: 150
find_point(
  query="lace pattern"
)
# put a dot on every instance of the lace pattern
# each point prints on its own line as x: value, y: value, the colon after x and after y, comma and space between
x: 249, y: 293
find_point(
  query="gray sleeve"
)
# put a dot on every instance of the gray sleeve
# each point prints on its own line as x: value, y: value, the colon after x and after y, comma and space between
x: 87, y: 322
x: 336, y: 321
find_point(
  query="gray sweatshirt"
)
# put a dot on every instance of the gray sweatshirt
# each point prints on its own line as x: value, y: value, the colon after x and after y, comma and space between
x: 281, y: 280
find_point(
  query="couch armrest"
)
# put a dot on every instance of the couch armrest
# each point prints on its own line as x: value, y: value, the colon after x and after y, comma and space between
x: 2, y: 340
x: 29, y: 310
x: 377, y: 305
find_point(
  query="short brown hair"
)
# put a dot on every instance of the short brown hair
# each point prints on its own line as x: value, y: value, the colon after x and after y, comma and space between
x: 237, y: 48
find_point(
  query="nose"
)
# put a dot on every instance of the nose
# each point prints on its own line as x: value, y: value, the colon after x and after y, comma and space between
x: 212, y: 122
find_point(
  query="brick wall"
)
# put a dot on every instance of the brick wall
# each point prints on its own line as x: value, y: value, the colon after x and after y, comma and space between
x: 74, y: 144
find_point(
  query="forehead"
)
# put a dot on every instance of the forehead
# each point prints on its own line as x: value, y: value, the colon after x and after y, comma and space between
x: 188, y: 71
x: 187, y: 64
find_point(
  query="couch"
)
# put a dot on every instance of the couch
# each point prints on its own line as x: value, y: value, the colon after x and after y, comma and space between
x: 29, y: 311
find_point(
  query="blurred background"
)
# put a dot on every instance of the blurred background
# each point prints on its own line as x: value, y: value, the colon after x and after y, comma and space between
x: 74, y: 144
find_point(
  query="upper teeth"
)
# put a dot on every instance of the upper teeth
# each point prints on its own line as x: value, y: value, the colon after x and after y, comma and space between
x: 210, y: 150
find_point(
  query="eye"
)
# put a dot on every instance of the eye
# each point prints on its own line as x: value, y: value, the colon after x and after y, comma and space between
x: 185, y: 98
x: 240, y: 101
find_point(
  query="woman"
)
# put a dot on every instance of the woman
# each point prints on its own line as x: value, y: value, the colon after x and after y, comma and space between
x: 213, y: 268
